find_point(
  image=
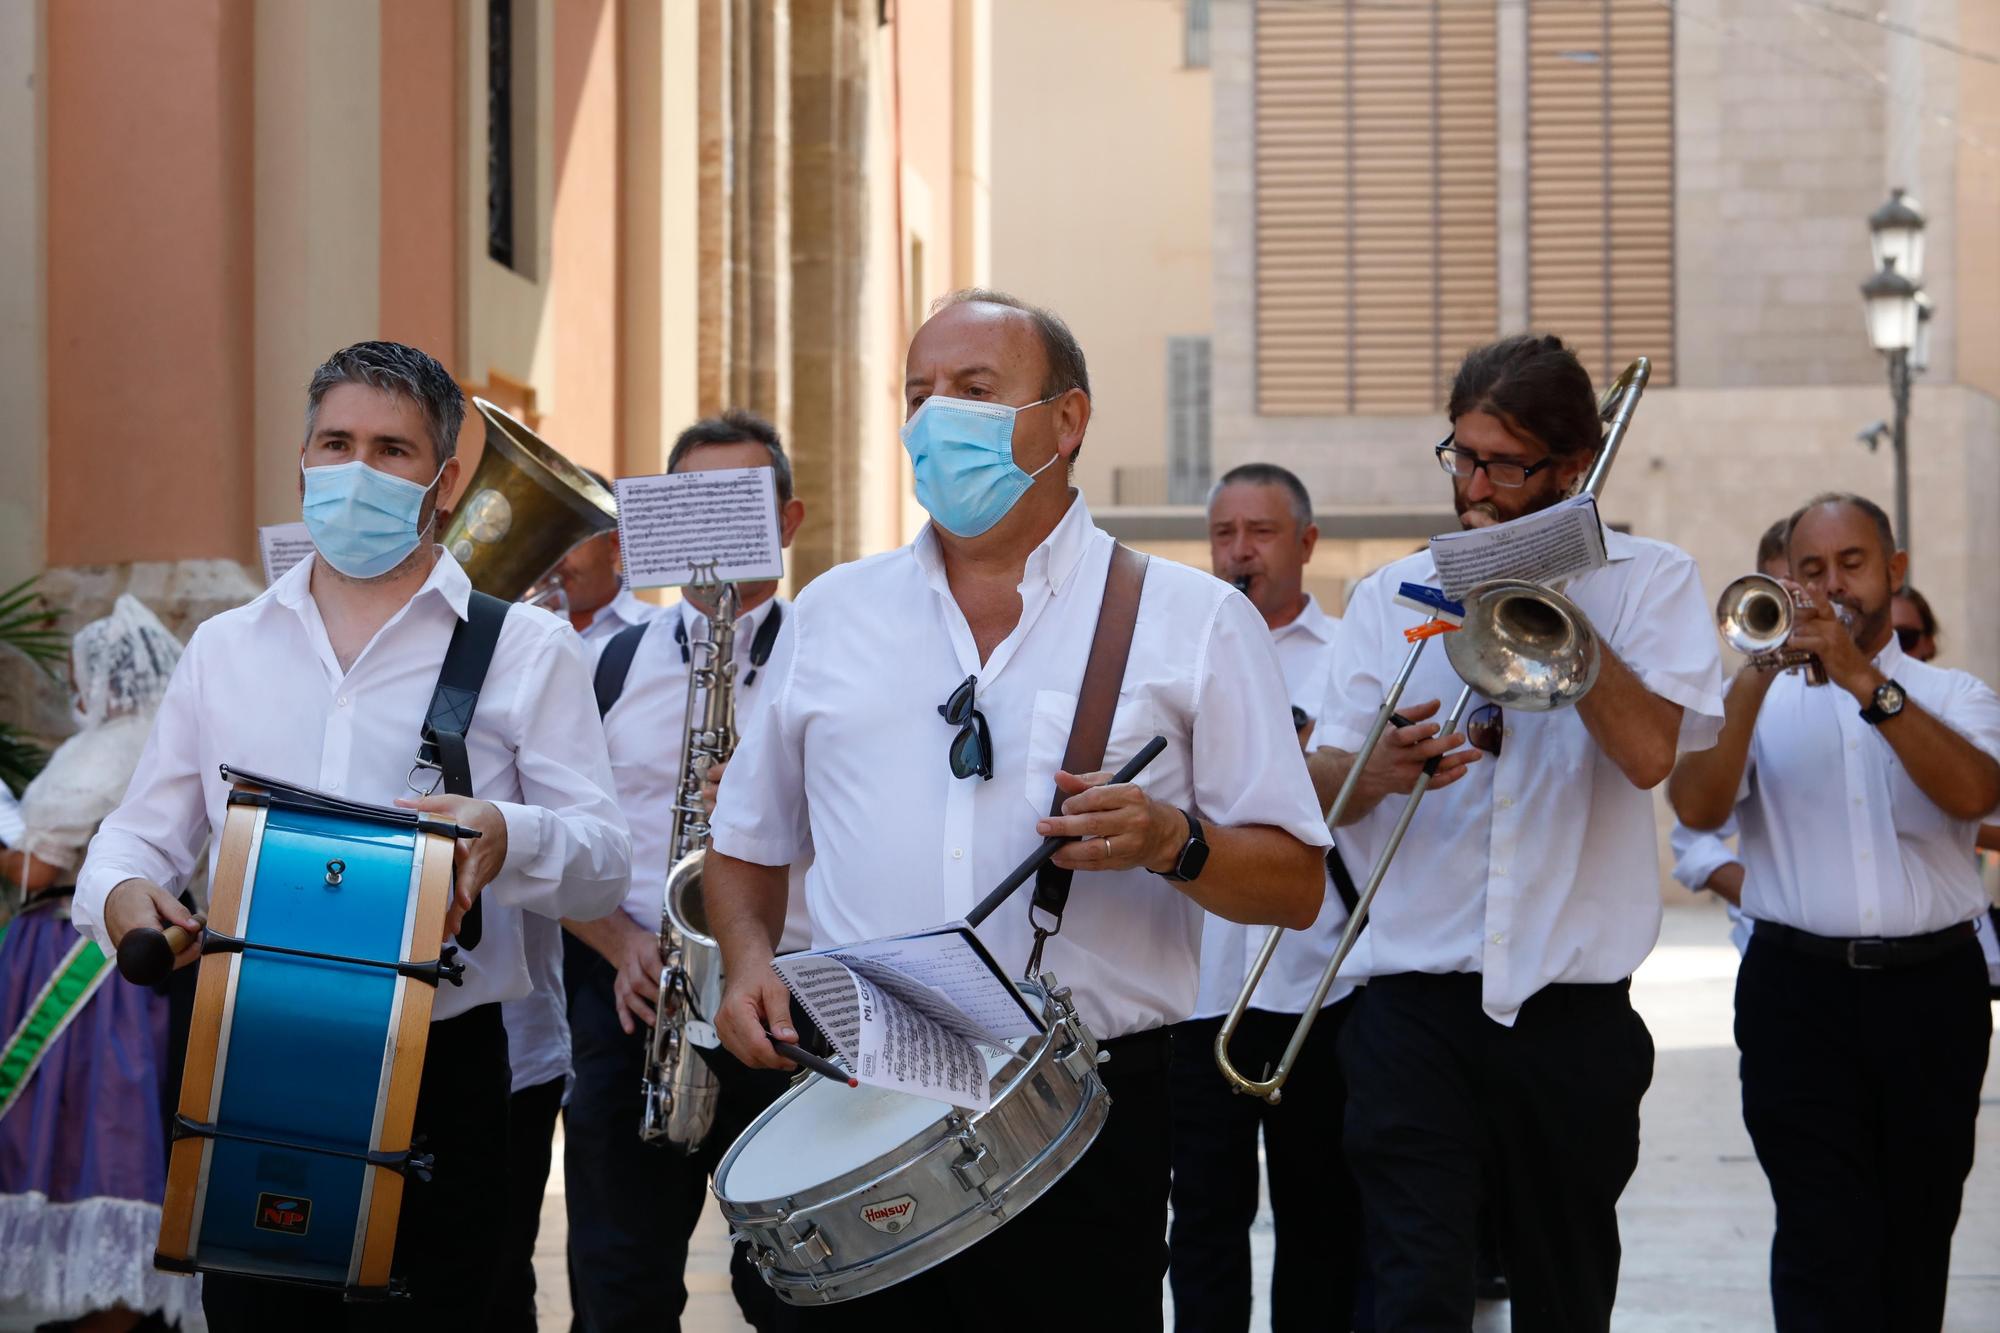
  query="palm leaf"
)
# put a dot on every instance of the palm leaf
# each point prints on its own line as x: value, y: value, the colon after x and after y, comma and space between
x: 20, y: 758
x: 27, y: 623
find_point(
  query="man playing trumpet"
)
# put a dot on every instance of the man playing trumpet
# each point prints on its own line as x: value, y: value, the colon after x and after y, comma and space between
x: 1861, y: 1003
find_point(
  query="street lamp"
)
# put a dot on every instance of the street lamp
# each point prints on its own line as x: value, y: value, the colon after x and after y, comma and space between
x: 1899, y: 316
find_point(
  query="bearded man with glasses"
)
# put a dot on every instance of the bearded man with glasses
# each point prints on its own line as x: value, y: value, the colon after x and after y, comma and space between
x: 916, y: 743
x: 1494, y: 1040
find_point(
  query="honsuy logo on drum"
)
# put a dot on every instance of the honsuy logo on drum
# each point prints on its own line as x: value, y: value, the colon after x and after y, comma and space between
x: 287, y: 1214
x: 890, y: 1215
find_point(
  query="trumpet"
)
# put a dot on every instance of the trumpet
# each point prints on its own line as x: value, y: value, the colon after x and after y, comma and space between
x: 1522, y: 646
x: 1756, y: 614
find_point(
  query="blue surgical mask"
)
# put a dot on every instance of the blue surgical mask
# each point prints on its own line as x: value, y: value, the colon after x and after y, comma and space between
x: 363, y: 521
x: 963, y: 451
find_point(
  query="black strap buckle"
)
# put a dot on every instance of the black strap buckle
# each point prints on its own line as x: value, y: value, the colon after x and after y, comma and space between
x: 1867, y: 955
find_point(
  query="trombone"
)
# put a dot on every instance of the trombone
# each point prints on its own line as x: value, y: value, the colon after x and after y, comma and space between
x: 1522, y: 646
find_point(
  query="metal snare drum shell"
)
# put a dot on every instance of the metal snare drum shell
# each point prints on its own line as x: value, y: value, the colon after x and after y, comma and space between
x: 880, y: 1222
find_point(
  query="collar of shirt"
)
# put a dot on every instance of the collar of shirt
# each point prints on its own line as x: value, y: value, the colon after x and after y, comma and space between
x: 621, y: 612
x: 694, y: 622
x: 1836, y: 838
x: 1310, y: 622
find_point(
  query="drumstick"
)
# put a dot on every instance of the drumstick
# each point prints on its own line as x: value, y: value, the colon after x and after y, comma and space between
x: 1020, y: 874
x: 146, y: 956
x: 825, y: 1068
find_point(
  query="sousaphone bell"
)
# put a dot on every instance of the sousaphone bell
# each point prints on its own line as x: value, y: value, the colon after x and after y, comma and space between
x: 524, y: 509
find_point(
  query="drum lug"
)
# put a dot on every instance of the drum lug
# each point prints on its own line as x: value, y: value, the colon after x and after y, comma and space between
x: 1081, y: 1056
x: 811, y: 1249
x: 975, y: 1165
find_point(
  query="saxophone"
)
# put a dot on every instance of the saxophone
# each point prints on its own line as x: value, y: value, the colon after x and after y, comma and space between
x: 680, y: 1088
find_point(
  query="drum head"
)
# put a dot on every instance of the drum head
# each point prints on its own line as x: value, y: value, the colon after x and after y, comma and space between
x: 824, y: 1130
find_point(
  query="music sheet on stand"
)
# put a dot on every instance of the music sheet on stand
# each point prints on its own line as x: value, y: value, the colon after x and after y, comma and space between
x: 1552, y: 544
x: 891, y: 1031
x: 698, y: 527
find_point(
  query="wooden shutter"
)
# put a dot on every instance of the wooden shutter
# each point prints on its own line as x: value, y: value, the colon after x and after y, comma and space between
x: 1375, y: 182
x: 1601, y: 180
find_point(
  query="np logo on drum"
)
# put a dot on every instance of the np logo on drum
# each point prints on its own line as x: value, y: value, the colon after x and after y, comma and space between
x: 286, y: 1214
x: 890, y: 1215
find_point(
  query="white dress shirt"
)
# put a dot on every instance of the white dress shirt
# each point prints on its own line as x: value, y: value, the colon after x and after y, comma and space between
x: 1228, y: 948
x: 621, y: 612
x: 1542, y: 865
x: 853, y: 759
x: 1697, y: 855
x: 647, y: 730
x: 538, y: 1022
x: 259, y: 688
x: 1837, y: 840
x: 11, y: 827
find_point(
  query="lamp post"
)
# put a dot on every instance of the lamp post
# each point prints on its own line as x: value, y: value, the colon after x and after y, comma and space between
x: 1898, y: 323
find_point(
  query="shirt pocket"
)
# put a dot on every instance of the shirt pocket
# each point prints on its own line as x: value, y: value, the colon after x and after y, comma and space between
x: 1135, y: 722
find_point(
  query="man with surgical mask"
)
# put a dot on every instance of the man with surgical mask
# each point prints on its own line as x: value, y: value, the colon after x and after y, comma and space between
x: 947, y: 673
x: 325, y: 681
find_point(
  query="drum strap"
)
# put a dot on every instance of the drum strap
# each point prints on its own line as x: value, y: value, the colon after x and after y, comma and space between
x: 1090, y: 731
x: 449, y: 717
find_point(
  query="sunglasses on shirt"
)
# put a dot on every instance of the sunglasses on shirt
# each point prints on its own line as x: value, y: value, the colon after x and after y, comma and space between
x: 1908, y: 637
x: 972, y: 748
x: 1485, y: 729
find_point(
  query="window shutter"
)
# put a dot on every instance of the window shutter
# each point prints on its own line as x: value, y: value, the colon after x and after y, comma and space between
x: 1600, y: 180
x: 1187, y: 419
x: 1376, y: 198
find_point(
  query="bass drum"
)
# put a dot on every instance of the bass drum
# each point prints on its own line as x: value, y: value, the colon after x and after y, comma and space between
x: 845, y: 1191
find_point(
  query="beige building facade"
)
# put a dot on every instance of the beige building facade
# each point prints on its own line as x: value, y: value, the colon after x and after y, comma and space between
x: 609, y: 216
x: 1688, y: 182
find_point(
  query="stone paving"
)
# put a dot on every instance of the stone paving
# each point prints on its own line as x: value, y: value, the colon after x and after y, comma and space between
x: 1696, y: 1219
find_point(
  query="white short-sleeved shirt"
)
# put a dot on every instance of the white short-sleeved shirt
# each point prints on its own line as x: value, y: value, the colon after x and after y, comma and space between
x: 621, y: 612
x: 647, y: 731
x: 1539, y: 866
x: 1228, y: 948
x: 1837, y: 840
x: 853, y: 759
x: 259, y: 689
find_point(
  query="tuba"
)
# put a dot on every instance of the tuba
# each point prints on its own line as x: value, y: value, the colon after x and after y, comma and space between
x: 523, y: 510
x: 1522, y: 646
x: 681, y: 1089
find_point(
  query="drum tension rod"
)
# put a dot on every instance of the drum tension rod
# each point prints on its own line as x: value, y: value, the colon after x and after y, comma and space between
x: 406, y: 1163
x: 445, y: 967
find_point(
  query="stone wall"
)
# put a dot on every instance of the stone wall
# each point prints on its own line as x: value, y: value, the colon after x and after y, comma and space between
x: 181, y: 593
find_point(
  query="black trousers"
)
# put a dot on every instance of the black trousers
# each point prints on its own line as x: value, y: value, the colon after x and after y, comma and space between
x: 1094, y: 1246
x: 633, y: 1205
x: 450, y: 1229
x: 531, y: 1129
x: 1859, y: 1091
x: 1313, y: 1200
x: 1440, y: 1095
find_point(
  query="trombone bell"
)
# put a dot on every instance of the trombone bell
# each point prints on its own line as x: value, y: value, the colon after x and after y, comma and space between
x: 1524, y: 647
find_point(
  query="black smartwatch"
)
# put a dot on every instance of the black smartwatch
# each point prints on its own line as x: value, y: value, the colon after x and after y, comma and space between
x: 1888, y: 701
x: 1194, y: 853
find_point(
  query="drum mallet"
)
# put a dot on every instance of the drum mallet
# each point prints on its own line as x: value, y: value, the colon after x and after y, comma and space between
x: 146, y: 956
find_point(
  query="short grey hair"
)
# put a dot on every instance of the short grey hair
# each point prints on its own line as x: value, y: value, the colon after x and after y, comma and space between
x: 1269, y: 474
x: 401, y: 369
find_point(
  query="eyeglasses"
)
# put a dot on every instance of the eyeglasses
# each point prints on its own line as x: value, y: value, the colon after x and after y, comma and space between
x: 1484, y: 729
x: 972, y: 748
x: 1462, y: 463
x: 1908, y: 637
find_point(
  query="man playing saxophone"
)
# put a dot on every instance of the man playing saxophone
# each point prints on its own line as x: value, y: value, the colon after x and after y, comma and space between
x: 633, y: 1204
x: 1494, y: 1040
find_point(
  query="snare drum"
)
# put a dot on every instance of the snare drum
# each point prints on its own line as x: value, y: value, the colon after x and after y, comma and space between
x: 844, y: 1191
x: 312, y: 1011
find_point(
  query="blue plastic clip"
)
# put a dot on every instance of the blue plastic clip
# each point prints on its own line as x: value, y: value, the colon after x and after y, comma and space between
x: 1431, y: 602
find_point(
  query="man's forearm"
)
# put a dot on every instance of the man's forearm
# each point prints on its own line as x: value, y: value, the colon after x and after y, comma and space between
x: 1959, y: 778
x: 1329, y: 768
x: 605, y: 934
x: 746, y: 904
x: 1260, y: 876
x: 1703, y: 787
x: 1636, y: 728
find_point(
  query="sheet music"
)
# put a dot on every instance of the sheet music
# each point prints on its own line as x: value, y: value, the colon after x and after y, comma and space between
x: 826, y: 992
x: 901, y: 1048
x: 1559, y: 542
x: 672, y: 526
x: 282, y: 546
x: 949, y: 961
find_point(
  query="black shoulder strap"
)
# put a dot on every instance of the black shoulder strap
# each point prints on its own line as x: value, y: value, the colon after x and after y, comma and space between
x: 1343, y: 882
x: 453, y: 702
x: 1090, y: 731
x: 614, y: 664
